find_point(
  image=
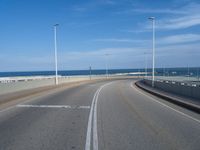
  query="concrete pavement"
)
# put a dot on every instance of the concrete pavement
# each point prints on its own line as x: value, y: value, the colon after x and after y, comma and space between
x: 108, y: 115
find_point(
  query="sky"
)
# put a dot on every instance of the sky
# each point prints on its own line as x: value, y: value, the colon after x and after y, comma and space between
x: 93, y: 32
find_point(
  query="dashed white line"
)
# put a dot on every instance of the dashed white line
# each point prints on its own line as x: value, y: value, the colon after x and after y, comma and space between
x: 166, y: 105
x: 84, y: 107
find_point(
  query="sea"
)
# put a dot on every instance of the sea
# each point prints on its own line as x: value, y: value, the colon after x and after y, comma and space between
x: 185, y: 71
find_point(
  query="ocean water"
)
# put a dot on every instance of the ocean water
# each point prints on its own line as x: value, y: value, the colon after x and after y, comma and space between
x: 65, y: 73
x: 195, y: 71
x: 192, y: 72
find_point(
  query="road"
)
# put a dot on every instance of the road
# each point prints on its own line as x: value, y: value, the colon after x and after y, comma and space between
x: 107, y: 115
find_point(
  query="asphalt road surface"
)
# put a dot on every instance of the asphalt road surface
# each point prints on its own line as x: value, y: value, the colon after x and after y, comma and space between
x: 109, y: 115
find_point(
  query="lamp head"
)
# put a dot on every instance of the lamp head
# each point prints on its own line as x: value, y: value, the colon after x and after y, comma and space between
x: 151, y: 18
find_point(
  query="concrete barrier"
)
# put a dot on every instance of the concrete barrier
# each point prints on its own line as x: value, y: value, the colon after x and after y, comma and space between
x: 178, y: 101
x: 179, y: 88
x: 15, y: 84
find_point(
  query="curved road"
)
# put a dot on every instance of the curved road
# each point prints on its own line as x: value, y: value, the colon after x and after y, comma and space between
x: 109, y: 115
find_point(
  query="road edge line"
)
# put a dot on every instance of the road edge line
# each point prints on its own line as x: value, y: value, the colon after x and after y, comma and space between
x: 186, y: 105
x: 194, y: 119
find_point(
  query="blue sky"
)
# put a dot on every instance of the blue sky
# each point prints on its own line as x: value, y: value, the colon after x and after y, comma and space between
x: 90, y: 29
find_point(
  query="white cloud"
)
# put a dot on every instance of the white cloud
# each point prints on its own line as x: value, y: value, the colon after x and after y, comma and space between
x: 92, y: 5
x: 119, y: 40
x: 177, y: 39
x: 190, y: 18
x: 175, y: 18
x: 118, y: 58
x: 137, y: 31
x: 131, y: 57
x: 165, y: 11
x: 179, y: 49
x: 101, y: 52
x: 179, y: 22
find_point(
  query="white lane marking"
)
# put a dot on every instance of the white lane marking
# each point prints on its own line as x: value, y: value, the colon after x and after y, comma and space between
x: 89, y: 128
x: 93, y: 117
x: 54, y: 106
x: 166, y: 105
x: 84, y: 107
x: 95, y: 134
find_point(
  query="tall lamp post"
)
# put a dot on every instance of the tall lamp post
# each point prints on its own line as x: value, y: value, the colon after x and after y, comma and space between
x: 56, y: 59
x: 153, y: 46
x: 90, y: 72
x: 145, y: 55
x: 107, y: 65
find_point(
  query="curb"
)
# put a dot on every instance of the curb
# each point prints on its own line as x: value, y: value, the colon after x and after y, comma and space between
x: 171, y: 99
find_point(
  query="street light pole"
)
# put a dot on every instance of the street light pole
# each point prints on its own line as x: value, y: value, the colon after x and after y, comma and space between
x: 153, y: 46
x: 90, y: 72
x: 106, y: 65
x: 56, y: 59
x: 106, y: 57
x: 145, y: 64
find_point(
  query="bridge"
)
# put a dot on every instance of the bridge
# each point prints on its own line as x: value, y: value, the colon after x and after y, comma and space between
x: 111, y: 114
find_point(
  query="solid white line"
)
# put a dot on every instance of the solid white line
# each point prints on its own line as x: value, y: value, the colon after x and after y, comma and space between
x: 95, y: 131
x: 194, y: 119
x: 93, y: 117
x: 53, y: 106
x: 89, y: 128
x: 95, y: 134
